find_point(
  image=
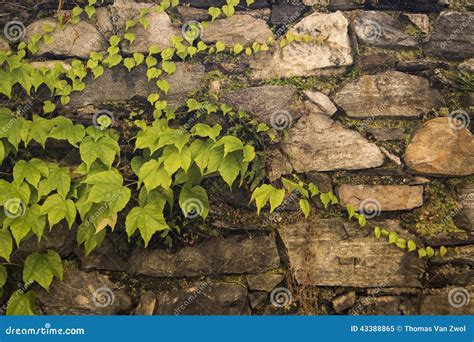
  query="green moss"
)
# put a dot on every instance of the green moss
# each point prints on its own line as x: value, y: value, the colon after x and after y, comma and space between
x: 440, y: 205
x: 307, y: 83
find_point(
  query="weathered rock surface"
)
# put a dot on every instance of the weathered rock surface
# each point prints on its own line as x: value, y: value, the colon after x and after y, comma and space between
x: 205, y: 298
x: 325, y: 253
x: 382, y: 30
x: 241, y: 29
x: 121, y: 85
x: 437, y: 149
x: 467, y: 66
x: 263, y: 282
x: 237, y: 254
x: 266, y: 102
x: 453, y: 36
x: 376, y: 62
x: 465, y: 217
x: 421, y: 21
x: 303, y: 59
x: 391, y: 93
x: 4, y: 45
x: 323, y: 103
x: 344, y: 301
x: 83, y: 293
x: 286, y: 14
x: 147, y: 304
x: 158, y: 33
x: 102, y: 258
x: 448, y: 301
x: 317, y: 143
x: 385, y: 197
x: 74, y: 41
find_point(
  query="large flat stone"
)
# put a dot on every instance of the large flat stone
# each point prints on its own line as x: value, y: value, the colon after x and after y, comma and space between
x: 236, y: 254
x: 204, y: 298
x: 385, y: 197
x: 439, y: 150
x: 84, y: 293
x: 465, y: 217
x: 306, y: 59
x: 391, y: 93
x: 317, y: 143
x: 159, y: 31
x: 74, y: 41
x: 326, y: 253
x: 452, y: 36
x: 265, y: 101
x: 120, y: 85
x: 379, y: 29
x: 241, y: 29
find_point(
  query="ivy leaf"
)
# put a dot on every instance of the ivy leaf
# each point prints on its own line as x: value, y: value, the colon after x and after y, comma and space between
x: 266, y: 193
x: 65, y: 129
x: 173, y: 159
x: 148, y: 220
x: 377, y: 232
x: 421, y: 253
x: 129, y: 63
x: 168, y: 67
x: 194, y: 201
x: 153, y: 175
x: 230, y: 167
x: 228, y: 10
x: 3, y: 275
x: 11, y: 126
x: 411, y: 246
x: 324, y: 197
x: 57, y: 209
x: 105, y: 149
x: 32, y: 171
x: 392, y: 237
x: 443, y: 251
x: 59, y: 179
x: 238, y: 48
x: 31, y: 220
x: 163, y: 85
x: 114, y: 40
x: 130, y: 36
x: 21, y: 304
x: 6, y: 244
x: 401, y: 243
x: 48, y: 107
x: 42, y: 268
x: 214, y: 12
x: 87, y: 235
x: 38, y: 130
x: 304, y: 205
x: 107, y: 186
x: 220, y: 46
x: 230, y: 143
x: 351, y: 211
x: 138, y: 57
x: 362, y: 221
x: 203, y: 130
x: 430, y: 252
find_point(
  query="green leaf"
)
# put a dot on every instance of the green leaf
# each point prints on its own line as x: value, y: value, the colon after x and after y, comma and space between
x: 163, y: 86
x: 114, y: 40
x: 411, y: 246
x: 129, y: 63
x: 138, y: 57
x: 392, y: 237
x: 421, y: 253
x: 48, y: 107
x: 194, y: 201
x: 214, y: 12
x: 3, y: 275
x: 87, y: 235
x: 443, y: 251
x: 32, y: 171
x: 266, y: 193
x: 57, y: 209
x: 377, y: 232
x: 401, y: 243
x: 230, y: 143
x: 42, y: 268
x: 6, y: 244
x: 305, y: 208
x: 148, y: 220
x: 130, y: 36
x: 21, y: 304
x: 204, y: 130
x: 430, y: 252
x: 90, y: 10
x: 153, y: 175
x: 65, y: 130
x: 220, y: 46
x: 362, y: 221
x: 104, y: 149
x: 107, y: 186
x: 168, y: 67
x: 238, y: 48
x: 230, y: 167
x: 31, y: 220
x: 59, y: 179
x: 324, y: 197
x: 228, y: 10
x: 351, y: 211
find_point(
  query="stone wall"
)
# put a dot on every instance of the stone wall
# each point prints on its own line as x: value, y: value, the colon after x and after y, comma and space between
x: 380, y: 113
